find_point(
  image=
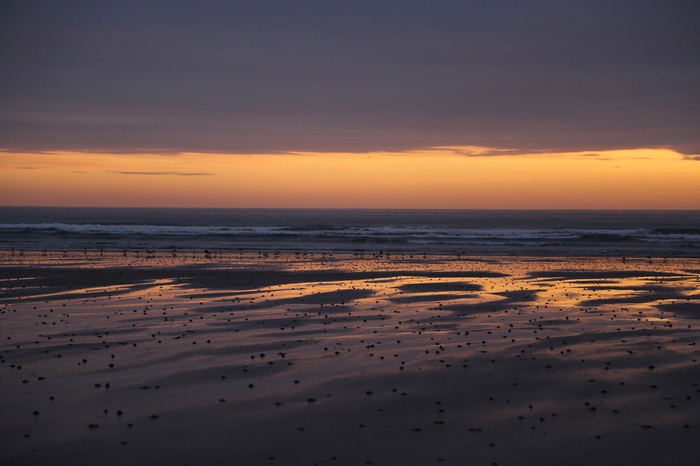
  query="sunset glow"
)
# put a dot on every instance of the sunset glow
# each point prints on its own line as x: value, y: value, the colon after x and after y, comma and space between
x: 432, y: 178
x: 469, y: 105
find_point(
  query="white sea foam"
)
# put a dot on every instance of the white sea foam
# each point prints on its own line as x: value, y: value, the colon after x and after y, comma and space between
x: 480, y: 232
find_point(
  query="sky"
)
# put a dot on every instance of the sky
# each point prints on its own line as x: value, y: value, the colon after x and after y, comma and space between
x: 374, y: 104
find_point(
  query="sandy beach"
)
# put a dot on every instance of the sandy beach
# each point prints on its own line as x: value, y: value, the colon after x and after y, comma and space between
x: 302, y: 359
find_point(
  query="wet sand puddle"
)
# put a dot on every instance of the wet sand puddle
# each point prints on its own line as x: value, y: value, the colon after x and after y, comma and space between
x: 497, y: 362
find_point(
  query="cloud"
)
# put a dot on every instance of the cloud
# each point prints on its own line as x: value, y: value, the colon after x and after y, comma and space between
x: 348, y: 76
x: 478, y: 151
x: 162, y: 173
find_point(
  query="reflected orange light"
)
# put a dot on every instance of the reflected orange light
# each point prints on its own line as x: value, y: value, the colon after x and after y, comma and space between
x: 446, y: 177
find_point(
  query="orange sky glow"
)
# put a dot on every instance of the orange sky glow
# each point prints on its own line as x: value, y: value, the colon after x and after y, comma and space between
x: 441, y: 178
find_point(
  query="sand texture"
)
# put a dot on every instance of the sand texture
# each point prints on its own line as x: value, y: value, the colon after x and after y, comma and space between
x: 329, y: 360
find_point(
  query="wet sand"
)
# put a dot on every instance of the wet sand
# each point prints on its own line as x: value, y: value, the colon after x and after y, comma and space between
x: 329, y: 359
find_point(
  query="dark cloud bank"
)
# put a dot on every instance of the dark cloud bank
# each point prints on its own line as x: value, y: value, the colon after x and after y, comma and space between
x: 249, y: 76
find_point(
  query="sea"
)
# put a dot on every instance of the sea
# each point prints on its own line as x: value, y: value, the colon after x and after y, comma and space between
x: 460, y: 232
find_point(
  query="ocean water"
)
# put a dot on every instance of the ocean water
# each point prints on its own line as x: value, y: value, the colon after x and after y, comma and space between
x: 468, y: 232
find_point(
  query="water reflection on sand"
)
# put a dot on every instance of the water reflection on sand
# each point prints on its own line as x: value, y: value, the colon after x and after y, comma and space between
x: 339, y: 359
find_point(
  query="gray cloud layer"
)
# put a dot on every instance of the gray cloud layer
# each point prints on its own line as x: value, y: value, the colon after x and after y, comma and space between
x: 248, y: 76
